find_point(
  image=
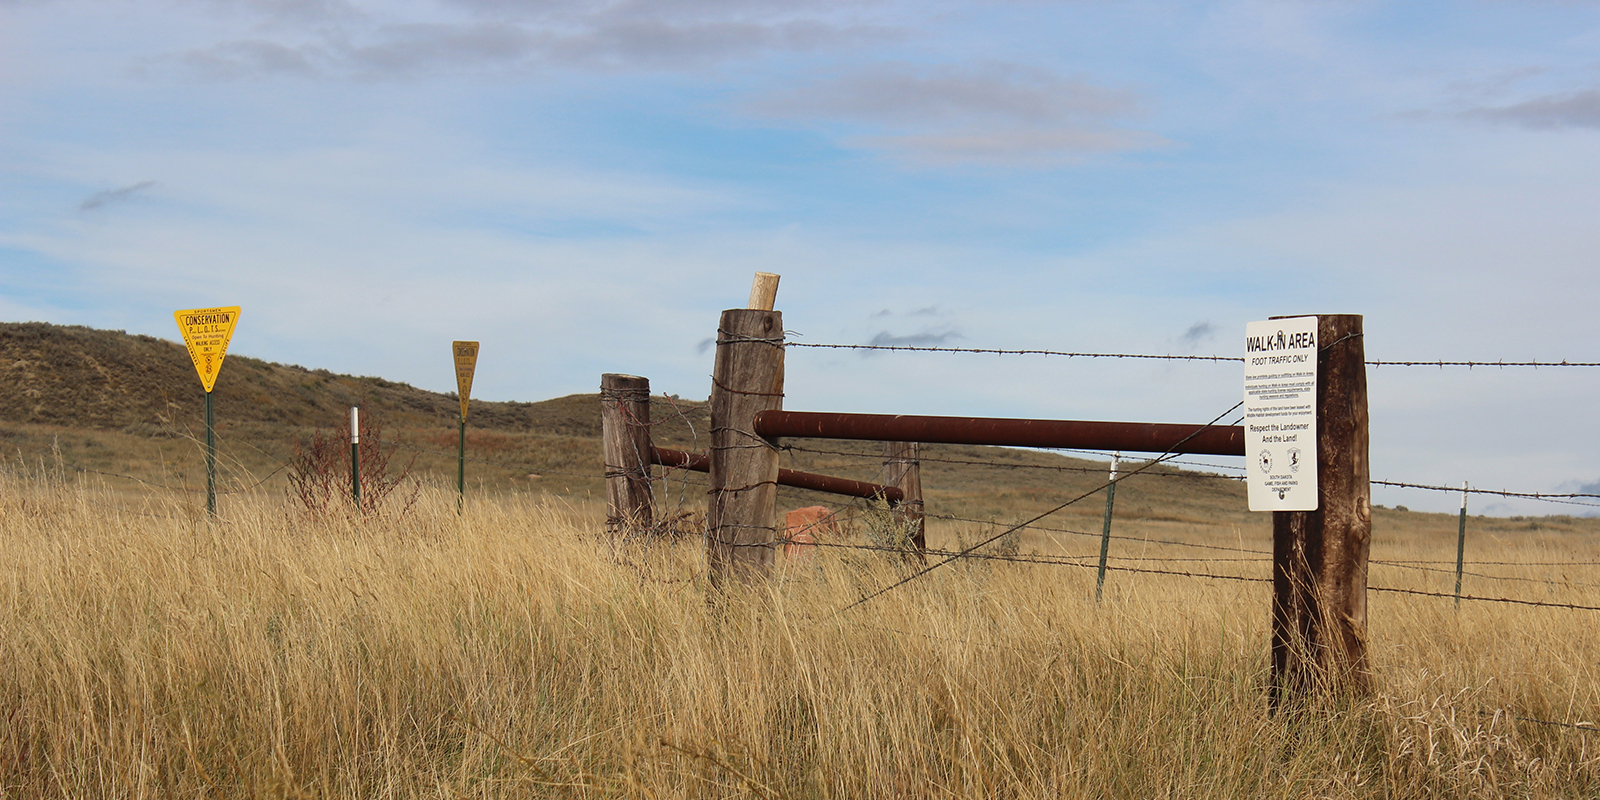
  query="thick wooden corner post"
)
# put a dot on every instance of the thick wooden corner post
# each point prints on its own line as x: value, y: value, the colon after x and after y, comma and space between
x: 741, y: 518
x: 625, y: 440
x: 1319, y: 569
x: 902, y: 469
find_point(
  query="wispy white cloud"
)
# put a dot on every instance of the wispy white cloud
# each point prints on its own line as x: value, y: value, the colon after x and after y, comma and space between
x: 993, y: 113
x: 1013, y: 148
x: 908, y: 94
x: 1570, y: 110
x: 251, y: 58
x: 338, y: 39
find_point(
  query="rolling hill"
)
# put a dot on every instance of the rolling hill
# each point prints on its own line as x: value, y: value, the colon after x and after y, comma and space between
x: 86, y: 403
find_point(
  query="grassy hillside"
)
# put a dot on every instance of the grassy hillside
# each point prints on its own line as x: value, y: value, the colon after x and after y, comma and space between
x: 109, y: 380
x: 131, y: 405
x: 125, y: 404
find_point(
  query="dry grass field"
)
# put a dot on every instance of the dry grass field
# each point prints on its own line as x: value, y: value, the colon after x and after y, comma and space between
x: 509, y: 652
x: 147, y: 651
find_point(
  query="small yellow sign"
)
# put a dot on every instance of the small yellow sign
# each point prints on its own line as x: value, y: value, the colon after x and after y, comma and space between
x: 466, y: 354
x: 206, y: 332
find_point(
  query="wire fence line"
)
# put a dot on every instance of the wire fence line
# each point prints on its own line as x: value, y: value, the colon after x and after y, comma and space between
x: 1069, y: 561
x: 1504, y: 563
x: 1496, y: 492
x: 1440, y: 363
x: 1260, y: 556
x: 1563, y: 498
x: 79, y: 468
x: 1095, y: 535
x: 1585, y: 727
x: 1542, y: 496
x: 1012, y: 465
x: 1264, y: 556
x: 1082, y: 561
x: 511, y: 465
x: 1564, y: 583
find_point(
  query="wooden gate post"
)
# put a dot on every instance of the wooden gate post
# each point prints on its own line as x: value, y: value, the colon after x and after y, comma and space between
x: 1319, y: 558
x: 741, y: 518
x: 902, y: 469
x: 625, y: 442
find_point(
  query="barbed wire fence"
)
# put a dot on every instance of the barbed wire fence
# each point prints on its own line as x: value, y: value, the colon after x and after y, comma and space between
x: 1440, y: 363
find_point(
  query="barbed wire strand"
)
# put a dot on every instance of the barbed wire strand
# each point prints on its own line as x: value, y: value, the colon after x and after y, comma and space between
x: 1496, y: 492
x: 1440, y: 363
x: 1563, y: 498
x: 1060, y: 561
x: 1585, y: 727
x: 503, y: 464
x: 1095, y: 535
x: 1007, y: 465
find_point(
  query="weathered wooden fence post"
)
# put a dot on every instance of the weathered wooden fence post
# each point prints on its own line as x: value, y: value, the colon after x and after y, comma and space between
x: 625, y: 442
x: 741, y: 517
x: 902, y: 469
x: 1319, y: 569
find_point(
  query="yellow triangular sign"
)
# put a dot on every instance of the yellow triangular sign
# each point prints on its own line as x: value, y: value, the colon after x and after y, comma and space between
x: 466, y: 362
x: 206, y: 332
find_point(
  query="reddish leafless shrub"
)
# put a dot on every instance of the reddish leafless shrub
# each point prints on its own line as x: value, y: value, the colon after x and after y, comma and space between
x: 319, y: 472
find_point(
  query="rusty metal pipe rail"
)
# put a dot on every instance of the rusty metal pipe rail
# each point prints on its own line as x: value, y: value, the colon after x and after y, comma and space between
x: 700, y: 462
x: 1139, y: 437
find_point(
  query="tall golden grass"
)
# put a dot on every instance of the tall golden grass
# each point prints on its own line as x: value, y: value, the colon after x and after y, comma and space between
x: 510, y: 652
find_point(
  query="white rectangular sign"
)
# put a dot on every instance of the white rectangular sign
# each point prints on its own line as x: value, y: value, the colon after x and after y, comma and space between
x: 1280, y: 413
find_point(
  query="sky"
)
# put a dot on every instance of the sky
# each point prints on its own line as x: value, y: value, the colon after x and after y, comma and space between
x: 583, y: 186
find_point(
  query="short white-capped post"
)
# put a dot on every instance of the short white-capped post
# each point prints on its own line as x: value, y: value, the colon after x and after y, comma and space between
x: 355, y: 455
x: 1105, y: 535
x: 1461, y: 541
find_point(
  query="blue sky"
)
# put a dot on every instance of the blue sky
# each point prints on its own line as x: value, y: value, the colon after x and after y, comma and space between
x: 583, y: 186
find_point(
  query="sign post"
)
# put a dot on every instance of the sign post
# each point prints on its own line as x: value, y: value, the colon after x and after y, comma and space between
x: 1306, y: 437
x: 206, y: 332
x: 466, y: 357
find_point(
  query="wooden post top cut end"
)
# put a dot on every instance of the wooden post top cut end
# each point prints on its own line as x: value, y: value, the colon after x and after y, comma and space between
x: 764, y: 291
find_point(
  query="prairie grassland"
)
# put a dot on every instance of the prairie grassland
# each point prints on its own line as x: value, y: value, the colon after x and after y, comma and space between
x: 509, y: 652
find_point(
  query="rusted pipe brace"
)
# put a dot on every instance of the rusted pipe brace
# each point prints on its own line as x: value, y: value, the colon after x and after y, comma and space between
x: 1144, y: 437
x: 700, y: 462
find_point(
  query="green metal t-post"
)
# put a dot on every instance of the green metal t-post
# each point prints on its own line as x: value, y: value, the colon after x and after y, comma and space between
x: 211, y: 457
x: 355, y: 455
x: 1461, y: 541
x: 461, y: 467
x: 1105, y: 536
